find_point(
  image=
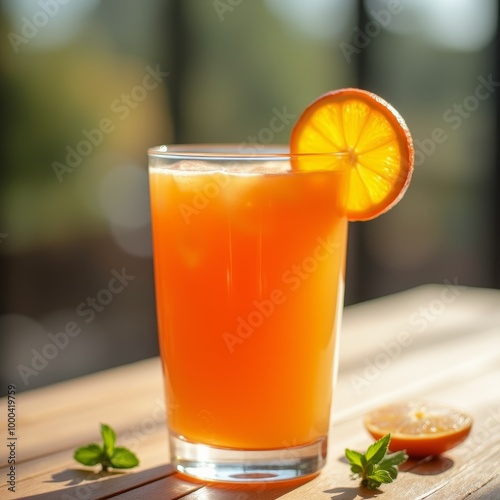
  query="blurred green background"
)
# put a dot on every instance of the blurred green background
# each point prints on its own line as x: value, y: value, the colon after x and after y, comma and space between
x: 87, y: 87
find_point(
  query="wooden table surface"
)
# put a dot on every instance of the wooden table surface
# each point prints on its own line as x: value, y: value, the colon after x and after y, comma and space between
x: 438, y: 342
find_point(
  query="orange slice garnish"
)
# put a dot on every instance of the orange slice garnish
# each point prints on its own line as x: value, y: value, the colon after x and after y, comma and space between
x: 421, y: 428
x: 374, y: 139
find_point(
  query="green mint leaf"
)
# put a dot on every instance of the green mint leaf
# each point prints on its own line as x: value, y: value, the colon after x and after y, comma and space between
x: 89, y: 455
x: 123, y: 459
x: 106, y: 455
x: 368, y: 470
x: 381, y: 476
x: 376, y: 466
x: 391, y: 469
x: 396, y: 458
x: 391, y: 461
x: 356, y: 469
x: 376, y: 452
x: 109, y: 439
x: 354, y: 457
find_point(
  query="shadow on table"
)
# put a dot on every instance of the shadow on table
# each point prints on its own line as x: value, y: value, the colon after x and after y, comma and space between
x: 428, y: 466
x: 77, y: 476
x: 352, y: 493
x: 84, y: 483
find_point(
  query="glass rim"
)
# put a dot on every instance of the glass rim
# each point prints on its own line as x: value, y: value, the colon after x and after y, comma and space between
x: 227, y: 151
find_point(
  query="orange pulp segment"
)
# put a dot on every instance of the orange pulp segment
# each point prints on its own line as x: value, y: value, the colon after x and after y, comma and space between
x: 421, y: 428
x: 375, y: 141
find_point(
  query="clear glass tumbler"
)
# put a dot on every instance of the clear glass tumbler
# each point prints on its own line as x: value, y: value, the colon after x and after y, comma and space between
x: 249, y: 258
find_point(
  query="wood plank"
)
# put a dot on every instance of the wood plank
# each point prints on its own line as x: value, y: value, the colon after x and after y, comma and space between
x: 373, y: 355
x: 489, y: 491
x: 129, y: 398
x: 470, y: 478
x: 152, y: 451
x: 72, y: 396
x: 169, y: 488
x: 136, y: 485
x: 59, y: 472
x: 262, y: 491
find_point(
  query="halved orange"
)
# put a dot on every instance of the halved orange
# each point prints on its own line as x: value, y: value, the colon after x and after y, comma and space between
x: 374, y: 138
x: 419, y: 427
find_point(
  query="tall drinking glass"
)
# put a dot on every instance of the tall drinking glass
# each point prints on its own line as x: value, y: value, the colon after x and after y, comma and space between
x: 249, y: 257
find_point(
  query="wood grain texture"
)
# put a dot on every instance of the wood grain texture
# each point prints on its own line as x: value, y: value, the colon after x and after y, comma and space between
x: 433, y: 342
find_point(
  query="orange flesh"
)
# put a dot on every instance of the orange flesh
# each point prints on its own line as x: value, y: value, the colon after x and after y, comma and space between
x: 422, y: 429
x: 423, y: 446
x: 374, y: 137
x: 247, y: 281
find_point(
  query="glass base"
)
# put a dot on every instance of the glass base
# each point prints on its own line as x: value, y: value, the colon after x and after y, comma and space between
x: 247, y: 466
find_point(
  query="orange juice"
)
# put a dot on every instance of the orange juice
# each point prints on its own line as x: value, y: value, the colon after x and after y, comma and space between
x: 249, y: 265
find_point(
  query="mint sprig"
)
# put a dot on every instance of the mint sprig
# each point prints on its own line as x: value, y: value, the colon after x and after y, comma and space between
x: 376, y: 466
x: 107, y: 455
